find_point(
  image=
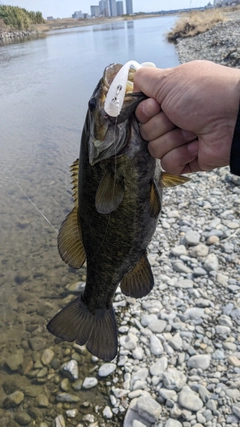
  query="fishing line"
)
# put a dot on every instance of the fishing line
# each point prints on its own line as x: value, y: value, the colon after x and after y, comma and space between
x: 28, y: 198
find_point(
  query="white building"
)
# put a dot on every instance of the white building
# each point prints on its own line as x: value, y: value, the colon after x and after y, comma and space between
x: 119, y: 8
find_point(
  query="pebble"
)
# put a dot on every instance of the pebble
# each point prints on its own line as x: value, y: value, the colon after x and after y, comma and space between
x: 106, y: 369
x: 72, y: 413
x: 129, y: 342
x: 156, y: 347
x: 157, y: 326
x: 70, y: 369
x: 159, y: 366
x: 173, y: 423
x: 89, y: 382
x: 107, y: 413
x: 200, y: 250
x: 14, y: 361
x: 192, y: 238
x: 174, y: 379
x: 14, y: 399
x: 179, y: 250
x: 189, y: 399
x: 211, y: 263
x: 199, y: 361
x: 59, y: 421
x: 47, y: 356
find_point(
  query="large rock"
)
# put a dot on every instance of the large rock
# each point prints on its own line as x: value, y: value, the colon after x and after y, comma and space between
x: 148, y: 408
x: 174, y: 379
x: 189, y: 399
x: 199, y: 361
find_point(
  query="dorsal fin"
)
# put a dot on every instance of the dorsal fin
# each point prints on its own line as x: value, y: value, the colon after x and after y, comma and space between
x: 74, y: 174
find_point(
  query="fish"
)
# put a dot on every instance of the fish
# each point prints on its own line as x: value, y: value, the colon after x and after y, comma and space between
x: 117, y: 194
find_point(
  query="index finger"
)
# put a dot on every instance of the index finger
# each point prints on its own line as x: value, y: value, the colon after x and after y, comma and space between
x: 147, y: 109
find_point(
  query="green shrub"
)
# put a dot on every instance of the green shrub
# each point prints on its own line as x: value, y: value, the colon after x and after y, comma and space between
x: 19, y: 18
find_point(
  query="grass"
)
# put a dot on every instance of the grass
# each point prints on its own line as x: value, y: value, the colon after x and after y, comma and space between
x: 195, y: 23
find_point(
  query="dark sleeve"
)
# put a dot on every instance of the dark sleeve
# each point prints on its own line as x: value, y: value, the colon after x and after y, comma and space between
x: 235, y: 149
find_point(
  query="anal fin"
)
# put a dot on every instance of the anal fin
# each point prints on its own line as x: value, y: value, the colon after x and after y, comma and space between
x: 99, y: 331
x: 70, y: 244
x: 139, y: 281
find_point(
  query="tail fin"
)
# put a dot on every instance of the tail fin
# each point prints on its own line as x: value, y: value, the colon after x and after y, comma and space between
x: 75, y: 323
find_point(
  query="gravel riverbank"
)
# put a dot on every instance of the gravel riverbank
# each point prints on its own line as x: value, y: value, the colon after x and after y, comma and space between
x: 179, y: 355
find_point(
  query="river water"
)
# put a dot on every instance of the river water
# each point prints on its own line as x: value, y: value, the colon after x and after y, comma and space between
x: 45, y: 85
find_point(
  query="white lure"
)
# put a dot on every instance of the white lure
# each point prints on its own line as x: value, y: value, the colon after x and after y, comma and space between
x: 116, y: 93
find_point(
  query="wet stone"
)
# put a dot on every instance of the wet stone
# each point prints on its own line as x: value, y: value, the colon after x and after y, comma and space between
x: 77, y: 385
x: 59, y: 421
x: 22, y: 418
x: 70, y: 369
x: 47, y: 357
x: 67, y: 397
x: 72, y: 413
x: 14, y: 361
x: 37, y: 343
x: 89, y: 382
x: 42, y: 401
x: 13, y: 399
x: 65, y: 384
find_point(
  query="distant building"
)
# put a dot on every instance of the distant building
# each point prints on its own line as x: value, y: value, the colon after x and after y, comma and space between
x: 85, y: 16
x: 95, y: 11
x: 77, y: 15
x: 49, y: 18
x: 119, y: 8
x: 129, y: 7
x: 113, y: 8
x: 104, y: 8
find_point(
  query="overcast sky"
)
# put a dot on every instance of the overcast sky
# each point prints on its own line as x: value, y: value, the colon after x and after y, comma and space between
x: 65, y: 8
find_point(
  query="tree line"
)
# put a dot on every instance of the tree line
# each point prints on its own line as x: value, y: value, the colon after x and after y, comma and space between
x: 19, y: 18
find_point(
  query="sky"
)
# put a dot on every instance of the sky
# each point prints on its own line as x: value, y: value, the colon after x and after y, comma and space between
x: 65, y: 8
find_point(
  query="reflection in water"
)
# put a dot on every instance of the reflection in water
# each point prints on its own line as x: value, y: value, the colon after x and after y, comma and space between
x: 45, y: 87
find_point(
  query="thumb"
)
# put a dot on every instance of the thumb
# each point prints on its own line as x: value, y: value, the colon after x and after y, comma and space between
x: 149, y: 81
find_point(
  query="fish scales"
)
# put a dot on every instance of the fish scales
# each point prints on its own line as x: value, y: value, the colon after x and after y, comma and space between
x: 117, y: 195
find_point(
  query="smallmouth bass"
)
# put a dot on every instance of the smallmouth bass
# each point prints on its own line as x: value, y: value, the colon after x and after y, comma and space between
x: 117, y: 192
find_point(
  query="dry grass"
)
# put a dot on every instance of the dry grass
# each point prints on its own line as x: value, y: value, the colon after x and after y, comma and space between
x: 195, y: 23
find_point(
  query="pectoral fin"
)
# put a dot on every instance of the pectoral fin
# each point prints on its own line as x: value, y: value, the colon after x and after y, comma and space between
x: 70, y: 244
x: 109, y: 193
x: 139, y: 281
x: 169, y: 180
x: 155, y: 200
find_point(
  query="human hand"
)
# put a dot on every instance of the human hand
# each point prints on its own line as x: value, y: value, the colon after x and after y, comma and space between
x: 190, y: 116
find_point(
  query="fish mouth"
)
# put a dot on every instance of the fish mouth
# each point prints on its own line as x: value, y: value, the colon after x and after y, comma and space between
x: 108, y: 134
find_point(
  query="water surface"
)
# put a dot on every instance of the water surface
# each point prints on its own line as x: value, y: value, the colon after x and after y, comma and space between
x: 45, y: 85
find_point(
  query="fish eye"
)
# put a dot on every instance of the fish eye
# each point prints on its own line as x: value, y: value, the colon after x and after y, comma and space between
x: 92, y: 104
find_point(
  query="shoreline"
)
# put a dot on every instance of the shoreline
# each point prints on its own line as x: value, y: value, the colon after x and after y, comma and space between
x: 10, y: 35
